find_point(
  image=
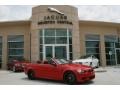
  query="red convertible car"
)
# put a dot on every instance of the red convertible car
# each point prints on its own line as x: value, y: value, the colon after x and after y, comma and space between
x: 59, y: 69
x: 16, y: 65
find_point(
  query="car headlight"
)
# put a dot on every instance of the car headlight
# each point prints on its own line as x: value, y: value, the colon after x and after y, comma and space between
x: 80, y: 71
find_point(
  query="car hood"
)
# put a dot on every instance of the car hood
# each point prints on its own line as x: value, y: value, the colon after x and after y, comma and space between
x: 76, y: 66
x: 83, y: 60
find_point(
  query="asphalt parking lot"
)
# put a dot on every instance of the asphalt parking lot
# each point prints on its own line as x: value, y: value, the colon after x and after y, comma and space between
x: 104, y: 76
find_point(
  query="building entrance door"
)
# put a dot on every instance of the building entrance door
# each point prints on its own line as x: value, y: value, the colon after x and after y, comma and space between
x: 56, y: 51
x: 118, y: 56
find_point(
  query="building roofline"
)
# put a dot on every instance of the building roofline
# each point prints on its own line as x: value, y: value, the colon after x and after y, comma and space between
x: 55, y: 5
x: 81, y: 22
x: 12, y: 21
x: 15, y: 22
x: 99, y: 23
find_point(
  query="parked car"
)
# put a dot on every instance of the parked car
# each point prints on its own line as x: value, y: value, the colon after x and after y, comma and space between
x: 59, y: 69
x: 16, y: 65
x: 89, y: 60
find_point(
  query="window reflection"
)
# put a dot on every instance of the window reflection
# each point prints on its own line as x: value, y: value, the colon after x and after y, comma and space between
x: 55, y: 36
x: 16, y: 47
x: 110, y: 41
x: 92, y: 45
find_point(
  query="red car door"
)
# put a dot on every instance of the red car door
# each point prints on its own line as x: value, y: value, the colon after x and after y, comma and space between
x: 41, y: 71
x: 52, y: 72
x: 48, y: 71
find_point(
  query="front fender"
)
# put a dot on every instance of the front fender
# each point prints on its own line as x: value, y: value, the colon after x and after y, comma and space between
x: 69, y: 70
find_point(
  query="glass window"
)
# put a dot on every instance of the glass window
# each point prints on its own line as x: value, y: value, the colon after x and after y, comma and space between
x: 70, y: 48
x: 41, y: 56
x: 109, y: 44
x: 41, y: 40
x: 16, y: 52
x: 70, y: 40
x: 49, y: 40
x: 92, y: 50
x: 110, y: 38
x: 71, y: 56
x: 110, y: 41
x: 110, y: 59
x: 110, y: 49
x: 92, y: 44
x: 55, y: 36
x: 60, y: 32
x: 49, y: 32
x: 117, y: 45
x: 41, y: 48
x: 15, y: 58
x: 15, y: 47
x: 61, y: 40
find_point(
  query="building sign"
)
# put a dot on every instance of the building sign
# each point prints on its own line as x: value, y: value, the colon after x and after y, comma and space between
x: 59, y: 18
x: 55, y: 19
x: 51, y: 9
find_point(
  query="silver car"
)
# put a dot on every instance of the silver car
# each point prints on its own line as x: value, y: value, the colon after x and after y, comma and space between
x: 89, y: 60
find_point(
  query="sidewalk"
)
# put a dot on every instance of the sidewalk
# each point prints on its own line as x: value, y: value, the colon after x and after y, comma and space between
x: 101, y: 69
x: 109, y: 68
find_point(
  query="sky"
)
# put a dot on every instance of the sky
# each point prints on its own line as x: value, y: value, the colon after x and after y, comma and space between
x: 107, y: 13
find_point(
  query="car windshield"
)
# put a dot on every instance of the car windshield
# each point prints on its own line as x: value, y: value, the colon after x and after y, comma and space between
x: 61, y: 61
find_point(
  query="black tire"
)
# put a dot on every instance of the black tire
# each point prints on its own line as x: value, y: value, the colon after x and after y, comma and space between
x: 14, y: 69
x: 31, y: 75
x: 70, y: 78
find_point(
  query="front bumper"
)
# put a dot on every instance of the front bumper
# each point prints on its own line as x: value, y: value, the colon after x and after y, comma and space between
x: 85, y: 76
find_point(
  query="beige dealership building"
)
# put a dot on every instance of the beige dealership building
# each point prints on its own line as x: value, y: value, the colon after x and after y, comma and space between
x: 56, y: 31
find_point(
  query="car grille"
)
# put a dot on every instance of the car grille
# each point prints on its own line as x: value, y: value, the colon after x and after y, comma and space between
x: 88, y: 70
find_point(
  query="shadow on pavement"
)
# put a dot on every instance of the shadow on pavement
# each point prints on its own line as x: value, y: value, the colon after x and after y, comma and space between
x: 48, y: 82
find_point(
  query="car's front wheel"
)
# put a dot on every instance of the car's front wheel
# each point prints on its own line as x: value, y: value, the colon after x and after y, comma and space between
x: 31, y: 75
x: 69, y: 78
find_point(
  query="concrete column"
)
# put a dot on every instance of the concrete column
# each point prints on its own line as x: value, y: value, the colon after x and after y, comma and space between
x: 4, y: 52
x: 102, y: 51
x: 76, y: 39
x: 82, y: 44
x: 27, y: 46
x: 34, y: 45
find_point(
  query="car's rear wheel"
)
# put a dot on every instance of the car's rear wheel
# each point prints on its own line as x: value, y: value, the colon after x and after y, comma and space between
x: 69, y: 78
x: 31, y: 75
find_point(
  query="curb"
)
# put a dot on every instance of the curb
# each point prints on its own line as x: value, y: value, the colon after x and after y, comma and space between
x: 101, y: 70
